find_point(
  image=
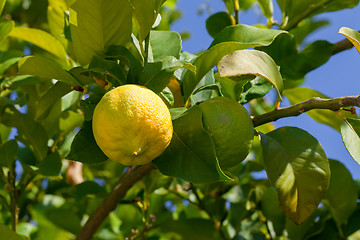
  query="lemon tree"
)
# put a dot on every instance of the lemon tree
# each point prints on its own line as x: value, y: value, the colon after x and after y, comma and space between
x: 110, y: 129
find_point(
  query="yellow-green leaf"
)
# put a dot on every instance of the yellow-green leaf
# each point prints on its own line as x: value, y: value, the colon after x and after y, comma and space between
x: 352, y: 35
x: 251, y: 62
x: 41, y: 39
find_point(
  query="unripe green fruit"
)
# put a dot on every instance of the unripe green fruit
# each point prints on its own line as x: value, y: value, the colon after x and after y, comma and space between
x: 230, y: 128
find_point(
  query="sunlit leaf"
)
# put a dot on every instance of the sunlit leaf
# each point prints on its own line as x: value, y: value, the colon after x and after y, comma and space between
x: 172, y: 41
x: 251, y: 62
x: 54, y: 93
x: 5, y: 26
x: 41, y: 39
x: 45, y: 68
x: 298, y: 169
x: 96, y: 24
x: 145, y: 13
x: 350, y: 133
x: 266, y: 7
x: 227, y: 41
x: 56, y: 15
x: 352, y: 35
x: 342, y: 195
x: 2, y: 4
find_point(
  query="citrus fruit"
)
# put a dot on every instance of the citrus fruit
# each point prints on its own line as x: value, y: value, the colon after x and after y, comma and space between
x: 230, y: 128
x: 132, y: 125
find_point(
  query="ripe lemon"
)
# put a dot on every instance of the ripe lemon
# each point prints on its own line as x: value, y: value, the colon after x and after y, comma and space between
x: 132, y: 125
x: 230, y: 128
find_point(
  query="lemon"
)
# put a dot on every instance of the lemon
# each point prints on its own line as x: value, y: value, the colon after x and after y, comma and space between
x: 230, y: 128
x: 132, y: 125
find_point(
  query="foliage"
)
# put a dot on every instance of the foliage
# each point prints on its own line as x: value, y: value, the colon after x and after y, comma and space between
x: 59, y: 57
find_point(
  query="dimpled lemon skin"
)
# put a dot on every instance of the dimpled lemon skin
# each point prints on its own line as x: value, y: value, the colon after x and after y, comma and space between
x: 230, y: 128
x: 132, y: 125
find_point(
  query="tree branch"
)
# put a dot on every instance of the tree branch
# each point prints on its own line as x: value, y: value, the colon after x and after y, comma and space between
x: 334, y: 104
x: 130, y: 177
x: 342, y: 45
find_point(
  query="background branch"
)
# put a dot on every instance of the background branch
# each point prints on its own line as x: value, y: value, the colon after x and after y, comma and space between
x: 334, y: 104
x: 130, y: 177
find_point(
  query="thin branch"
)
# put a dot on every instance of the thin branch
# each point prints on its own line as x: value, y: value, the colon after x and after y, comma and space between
x: 131, y: 176
x: 334, y: 104
x: 342, y: 45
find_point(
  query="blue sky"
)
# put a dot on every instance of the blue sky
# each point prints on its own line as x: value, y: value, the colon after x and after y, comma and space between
x: 338, y: 77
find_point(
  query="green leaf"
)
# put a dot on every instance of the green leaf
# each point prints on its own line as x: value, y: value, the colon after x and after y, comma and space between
x: 271, y: 209
x: 8, y: 234
x: 56, y: 15
x: 172, y: 40
x: 328, y: 117
x: 295, y: 11
x: 256, y: 88
x: 191, y: 149
x: 45, y: 68
x: 227, y: 41
x: 294, y: 64
x: 251, y: 62
x: 2, y: 4
x: 194, y: 229
x: 352, y: 35
x: 4, y: 133
x: 201, y: 96
x: 5, y: 27
x: 31, y: 133
x: 69, y: 120
x: 298, y: 169
x: 135, y: 67
x: 145, y: 13
x: 41, y: 39
x: 248, y: 36
x: 306, y: 27
x: 96, y: 24
x: 350, y: 133
x: 65, y: 219
x: 51, y: 165
x: 8, y: 153
x: 54, y: 93
x: 88, y: 105
x: 217, y: 22
x: 9, y: 58
x: 84, y: 148
x: 341, y: 196
x: 266, y: 7
x: 156, y: 75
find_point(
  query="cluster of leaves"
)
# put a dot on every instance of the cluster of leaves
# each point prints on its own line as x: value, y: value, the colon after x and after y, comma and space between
x: 58, y: 58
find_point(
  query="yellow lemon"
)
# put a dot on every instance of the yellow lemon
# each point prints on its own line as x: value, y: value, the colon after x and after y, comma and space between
x: 132, y: 125
x: 230, y: 128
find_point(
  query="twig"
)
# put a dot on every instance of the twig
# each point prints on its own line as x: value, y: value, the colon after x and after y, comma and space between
x: 334, y: 104
x: 342, y: 45
x: 131, y: 176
